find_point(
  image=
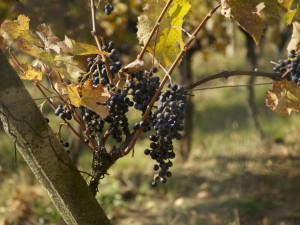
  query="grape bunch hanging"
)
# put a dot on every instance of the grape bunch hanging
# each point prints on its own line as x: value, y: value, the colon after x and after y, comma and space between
x: 165, y: 120
x: 289, y: 68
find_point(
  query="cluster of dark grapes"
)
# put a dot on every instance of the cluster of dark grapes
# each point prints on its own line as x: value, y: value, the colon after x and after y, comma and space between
x: 290, y: 67
x: 143, y: 86
x: 108, y: 8
x: 63, y: 113
x: 167, y: 122
x: 99, y: 73
x: 166, y: 119
x: 118, y: 105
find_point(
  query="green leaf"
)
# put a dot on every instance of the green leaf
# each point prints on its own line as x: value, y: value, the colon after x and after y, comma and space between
x: 289, y: 16
x: 170, y: 34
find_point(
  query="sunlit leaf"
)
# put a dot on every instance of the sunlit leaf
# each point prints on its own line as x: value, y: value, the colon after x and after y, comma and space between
x: 170, y: 34
x: 289, y: 16
x: 284, y: 97
x: 31, y: 73
x: 295, y: 39
x: 95, y: 98
x: 74, y: 95
x: 287, y: 4
x: 13, y: 29
x: 248, y: 14
x: 79, y: 48
x: 68, y: 67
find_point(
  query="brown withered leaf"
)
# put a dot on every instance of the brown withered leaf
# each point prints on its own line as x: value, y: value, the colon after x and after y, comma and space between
x: 135, y: 66
x: 95, y: 98
x: 284, y: 97
x: 295, y: 39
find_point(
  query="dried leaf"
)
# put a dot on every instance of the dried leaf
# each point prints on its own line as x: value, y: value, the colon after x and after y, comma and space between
x: 295, y: 39
x: 79, y: 48
x: 95, y: 98
x: 246, y: 14
x: 49, y: 39
x: 284, y: 97
x: 68, y: 67
x: 135, y: 66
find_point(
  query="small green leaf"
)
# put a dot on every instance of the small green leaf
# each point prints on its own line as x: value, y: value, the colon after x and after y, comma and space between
x: 289, y: 16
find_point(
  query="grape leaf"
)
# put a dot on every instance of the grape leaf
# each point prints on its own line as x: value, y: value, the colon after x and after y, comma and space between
x: 13, y: 29
x: 79, y: 48
x: 94, y: 98
x: 287, y: 4
x: 289, y: 16
x: 74, y: 95
x: 284, y: 97
x: 170, y: 34
x: 248, y: 14
x: 68, y: 67
x: 295, y: 39
x: 45, y: 46
x: 31, y: 73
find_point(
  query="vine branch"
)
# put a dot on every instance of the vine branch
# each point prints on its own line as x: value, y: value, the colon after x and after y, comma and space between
x: 99, y: 45
x: 166, y: 77
x: 226, y: 74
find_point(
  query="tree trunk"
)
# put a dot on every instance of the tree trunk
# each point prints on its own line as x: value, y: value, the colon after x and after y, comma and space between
x: 252, y: 107
x: 37, y: 143
x: 186, y: 77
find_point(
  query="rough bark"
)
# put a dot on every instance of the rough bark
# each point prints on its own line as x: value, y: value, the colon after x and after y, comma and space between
x: 49, y: 162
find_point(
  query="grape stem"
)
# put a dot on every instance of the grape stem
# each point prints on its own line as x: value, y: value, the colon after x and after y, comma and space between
x: 225, y: 74
x: 99, y: 45
x: 157, y: 23
x: 166, y: 77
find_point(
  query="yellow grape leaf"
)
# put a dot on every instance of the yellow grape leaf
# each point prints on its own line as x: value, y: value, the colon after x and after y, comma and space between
x: 289, y: 16
x: 45, y: 46
x: 31, y: 73
x: 13, y: 29
x: 68, y: 67
x: 74, y: 95
x: 295, y: 39
x: 79, y: 48
x: 169, y: 39
x: 284, y: 97
x: 248, y: 14
x: 95, y: 98
x: 287, y: 4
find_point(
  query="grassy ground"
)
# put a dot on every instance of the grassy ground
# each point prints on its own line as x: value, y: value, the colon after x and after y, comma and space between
x: 232, y: 176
